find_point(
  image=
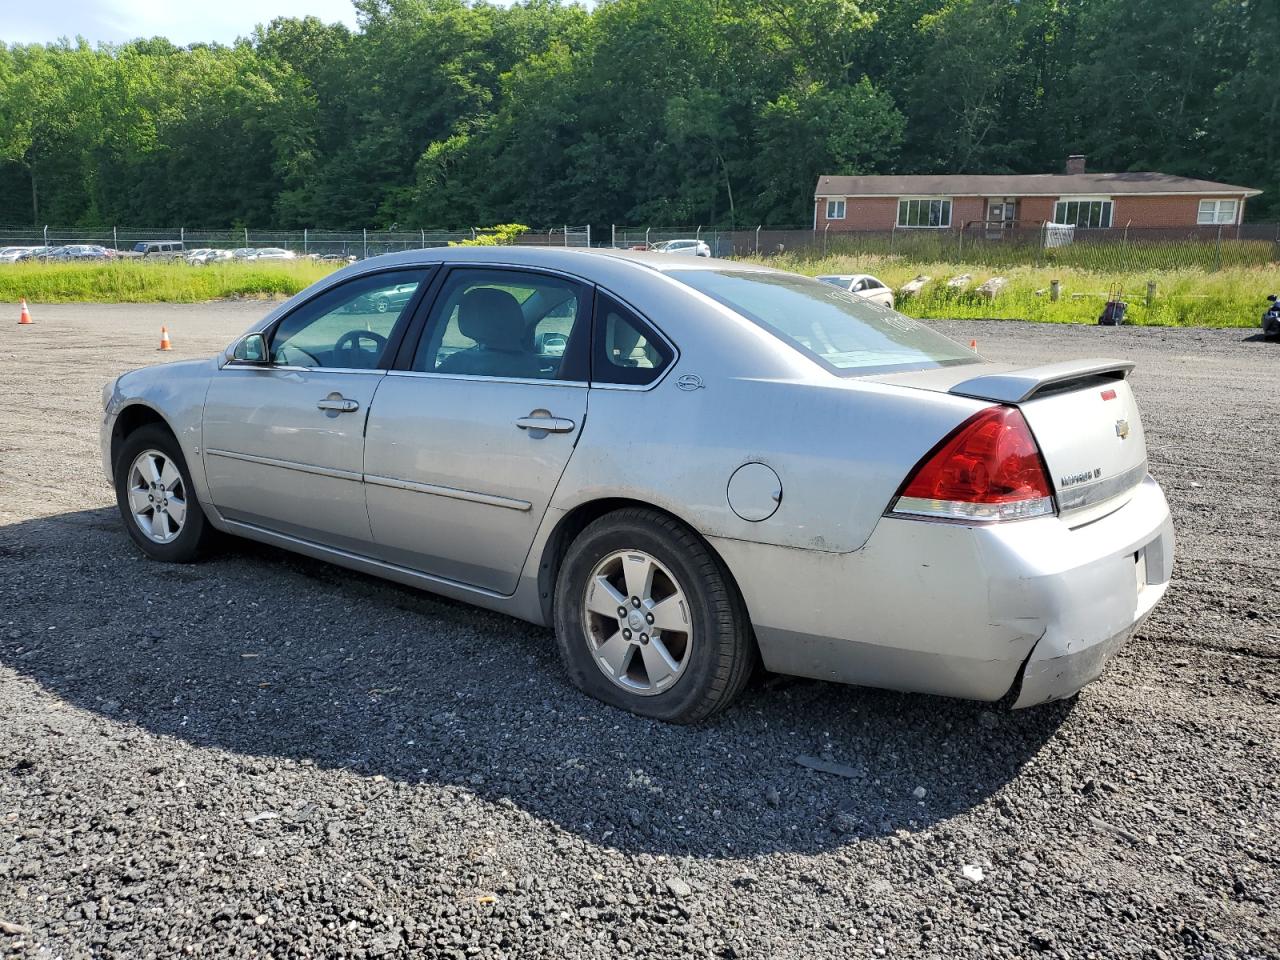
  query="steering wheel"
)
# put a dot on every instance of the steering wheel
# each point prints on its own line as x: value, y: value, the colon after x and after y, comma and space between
x: 348, y: 348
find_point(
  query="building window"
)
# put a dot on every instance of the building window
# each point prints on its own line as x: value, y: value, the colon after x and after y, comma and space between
x: 835, y: 209
x: 1085, y: 212
x: 924, y: 212
x: 1216, y: 211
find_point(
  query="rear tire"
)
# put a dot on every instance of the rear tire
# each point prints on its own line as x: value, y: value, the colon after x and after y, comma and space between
x: 156, y: 498
x: 682, y: 662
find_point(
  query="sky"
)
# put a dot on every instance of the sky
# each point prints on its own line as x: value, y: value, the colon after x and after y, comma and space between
x: 182, y: 21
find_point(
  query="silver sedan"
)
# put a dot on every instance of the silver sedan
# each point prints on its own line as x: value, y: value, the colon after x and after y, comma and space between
x: 684, y: 466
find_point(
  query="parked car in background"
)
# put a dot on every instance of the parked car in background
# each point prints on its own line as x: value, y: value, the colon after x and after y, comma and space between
x: 206, y: 255
x: 771, y: 470
x: 78, y: 252
x: 380, y: 301
x: 863, y: 284
x: 243, y: 253
x: 273, y: 253
x: 160, y: 249
x: 14, y: 254
x: 690, y: 248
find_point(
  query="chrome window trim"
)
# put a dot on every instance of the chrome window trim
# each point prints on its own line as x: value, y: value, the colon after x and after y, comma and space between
x: 293, y: 368
x: 453, y: 493
x: 480, y: 378
x: 300, y: 467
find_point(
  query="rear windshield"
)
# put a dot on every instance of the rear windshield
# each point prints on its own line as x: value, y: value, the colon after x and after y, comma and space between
x: 846, y: 333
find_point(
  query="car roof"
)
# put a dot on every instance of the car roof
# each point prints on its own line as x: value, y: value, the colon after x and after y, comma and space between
x: 579, y: 260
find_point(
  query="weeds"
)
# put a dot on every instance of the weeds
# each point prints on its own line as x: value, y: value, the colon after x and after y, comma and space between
x: 1232, y: 297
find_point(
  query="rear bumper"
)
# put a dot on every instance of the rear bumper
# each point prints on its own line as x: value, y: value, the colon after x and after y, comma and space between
x: 957, y: 609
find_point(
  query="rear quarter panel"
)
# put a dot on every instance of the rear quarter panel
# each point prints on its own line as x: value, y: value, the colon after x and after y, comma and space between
x: 840, y: 448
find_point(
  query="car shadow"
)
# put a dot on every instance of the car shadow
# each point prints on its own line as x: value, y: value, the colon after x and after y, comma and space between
x: 280, y: 658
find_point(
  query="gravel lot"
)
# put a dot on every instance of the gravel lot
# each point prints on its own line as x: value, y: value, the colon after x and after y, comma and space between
x: 266, y: 755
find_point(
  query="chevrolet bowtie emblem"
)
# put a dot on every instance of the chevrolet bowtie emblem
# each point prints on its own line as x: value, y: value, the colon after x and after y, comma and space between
x: 1122, y: 429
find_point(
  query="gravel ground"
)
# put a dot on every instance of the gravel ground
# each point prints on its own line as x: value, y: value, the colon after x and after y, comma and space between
x: 269, y: 756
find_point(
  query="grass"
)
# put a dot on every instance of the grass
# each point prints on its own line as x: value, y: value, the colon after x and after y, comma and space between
x: 1232, y: 297
x: 133, y: 281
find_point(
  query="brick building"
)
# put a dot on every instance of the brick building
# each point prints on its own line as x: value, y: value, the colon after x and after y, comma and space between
x: 1086, y: 200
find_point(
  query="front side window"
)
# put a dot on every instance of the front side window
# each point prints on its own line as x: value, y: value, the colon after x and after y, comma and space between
x: 627, y: 350
x: 1087, y: 213
x: 847, y: 334
x: 347, y: 326
x: 510, y: 324
x: 835, y: 209
x: 1216, y: 211
x: 924, y: 212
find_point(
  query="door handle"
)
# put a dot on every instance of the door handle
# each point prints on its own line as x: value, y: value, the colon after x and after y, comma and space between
x: 338, y: 403
x: 545, y: 424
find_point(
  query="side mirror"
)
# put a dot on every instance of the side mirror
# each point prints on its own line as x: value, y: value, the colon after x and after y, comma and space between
x: 252, y: 348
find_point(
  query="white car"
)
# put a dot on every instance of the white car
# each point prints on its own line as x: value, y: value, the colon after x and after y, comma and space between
x: 688, y: 248
x: 14, y: 254
x: 273, y: 253
x: 864, y: 285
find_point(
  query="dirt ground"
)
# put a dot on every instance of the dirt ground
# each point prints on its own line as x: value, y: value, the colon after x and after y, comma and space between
x: 264, y: 755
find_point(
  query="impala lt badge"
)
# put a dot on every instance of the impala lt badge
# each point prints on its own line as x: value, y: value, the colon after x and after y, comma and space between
x: 1122, y: 429
x: 689, y: 382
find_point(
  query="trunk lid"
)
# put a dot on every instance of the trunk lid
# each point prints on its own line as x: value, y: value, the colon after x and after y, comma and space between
x: 1082, y: 414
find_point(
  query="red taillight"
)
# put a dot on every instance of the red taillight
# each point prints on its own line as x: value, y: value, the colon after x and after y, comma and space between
x: 989, y: 468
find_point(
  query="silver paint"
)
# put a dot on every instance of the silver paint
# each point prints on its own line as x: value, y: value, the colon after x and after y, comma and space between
x: 444, y: 483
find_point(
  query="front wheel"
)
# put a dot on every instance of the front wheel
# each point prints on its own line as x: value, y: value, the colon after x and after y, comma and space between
x: 648, y: 619
x: 156, y: 498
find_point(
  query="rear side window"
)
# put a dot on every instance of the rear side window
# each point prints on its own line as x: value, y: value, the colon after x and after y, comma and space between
x: 846, y: 333
x: 626, y: 349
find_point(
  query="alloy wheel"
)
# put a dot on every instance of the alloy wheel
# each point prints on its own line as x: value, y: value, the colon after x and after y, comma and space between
x: 157, y: 496
x: 637, y: 622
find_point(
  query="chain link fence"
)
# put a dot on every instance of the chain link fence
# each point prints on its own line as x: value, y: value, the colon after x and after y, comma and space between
x: 994, y: 243
x: 336, y: 243
x: 985, y: 243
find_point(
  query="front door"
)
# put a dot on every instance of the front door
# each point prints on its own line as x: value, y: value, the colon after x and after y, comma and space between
x: 465, y: 448
x: 284, y: 441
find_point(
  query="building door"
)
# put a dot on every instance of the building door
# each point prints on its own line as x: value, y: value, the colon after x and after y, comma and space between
x: 1001, y: 214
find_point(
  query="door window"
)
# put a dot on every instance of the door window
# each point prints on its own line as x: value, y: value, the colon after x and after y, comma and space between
x: 627, y: 350
x: 511, y: 324
x: 348, y: 326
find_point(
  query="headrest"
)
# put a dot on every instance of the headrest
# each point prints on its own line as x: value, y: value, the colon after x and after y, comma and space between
x: 491, y: 317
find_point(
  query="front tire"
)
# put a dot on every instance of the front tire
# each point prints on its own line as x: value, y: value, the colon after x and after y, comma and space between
x: 156, y: 498
x: 648, y: 619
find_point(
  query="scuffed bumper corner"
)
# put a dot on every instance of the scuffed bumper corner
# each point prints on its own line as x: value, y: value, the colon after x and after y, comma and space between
x: 1068, y: 656
x: 1050, y: 674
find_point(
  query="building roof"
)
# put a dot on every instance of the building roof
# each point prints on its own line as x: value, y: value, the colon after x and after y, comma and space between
x: 1021, y: 185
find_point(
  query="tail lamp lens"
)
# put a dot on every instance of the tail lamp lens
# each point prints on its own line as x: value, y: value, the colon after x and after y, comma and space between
x: 988, y: 468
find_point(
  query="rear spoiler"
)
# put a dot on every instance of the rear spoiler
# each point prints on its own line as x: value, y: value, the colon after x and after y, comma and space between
x: 1018, y: 386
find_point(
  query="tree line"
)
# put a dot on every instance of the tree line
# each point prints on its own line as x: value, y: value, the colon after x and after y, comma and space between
x: 445, y: 113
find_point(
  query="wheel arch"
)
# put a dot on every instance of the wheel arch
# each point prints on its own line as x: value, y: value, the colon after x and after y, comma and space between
x: 132, y: 417
x: 578, y: 519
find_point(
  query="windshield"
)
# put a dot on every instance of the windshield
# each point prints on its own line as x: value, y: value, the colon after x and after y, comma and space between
x: 846, y: 333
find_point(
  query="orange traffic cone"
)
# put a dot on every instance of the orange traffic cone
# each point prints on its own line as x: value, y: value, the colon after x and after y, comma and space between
x: 164, y: 339
x: 973, y: 345
x: 25, y: 316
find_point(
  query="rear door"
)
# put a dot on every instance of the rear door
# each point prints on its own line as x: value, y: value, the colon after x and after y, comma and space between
x: 467, y: 442
x: 284, y: 442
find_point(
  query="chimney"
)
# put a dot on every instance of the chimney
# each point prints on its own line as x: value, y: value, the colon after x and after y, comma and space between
x: 1075, y: 163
